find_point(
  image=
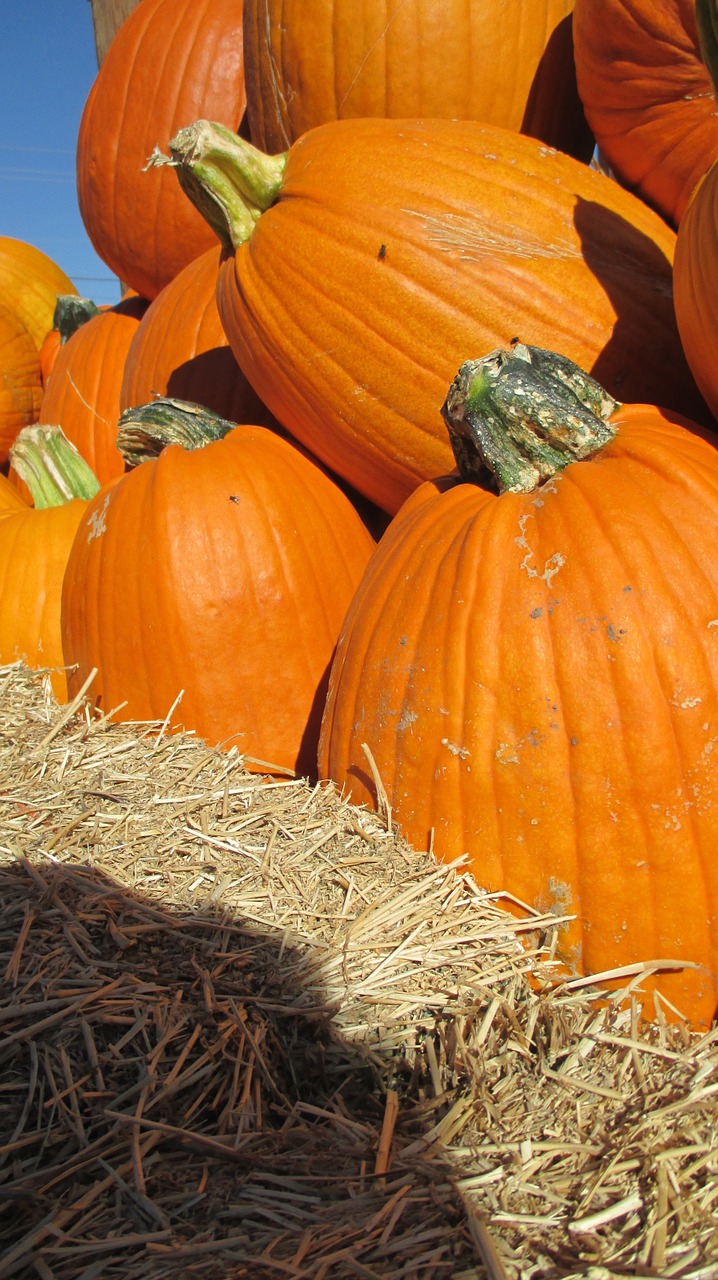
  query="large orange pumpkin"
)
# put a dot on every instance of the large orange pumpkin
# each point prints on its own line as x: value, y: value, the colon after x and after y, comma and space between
x: 647, y: 95
x: 83, y: 394
x: 386, y: 246
x: 170, y: 61
x: 35, y: 542
x: 181, y: 350
x: 221, y: 575
x: 535, y: 672
x: 503, y: 62
x: 29, y: 284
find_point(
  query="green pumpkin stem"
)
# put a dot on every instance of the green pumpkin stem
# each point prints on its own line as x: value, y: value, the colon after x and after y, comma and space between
x: 522, y: 415
x: 51, y: 466
x: 707, y: 26
x: 229, y: 181
x: 145, y: 430
x: 71, y: 311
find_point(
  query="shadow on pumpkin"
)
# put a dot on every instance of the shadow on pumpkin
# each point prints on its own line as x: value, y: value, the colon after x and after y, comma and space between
x: 554, y: 111
x: 214, y: 379
x: 643, y: 361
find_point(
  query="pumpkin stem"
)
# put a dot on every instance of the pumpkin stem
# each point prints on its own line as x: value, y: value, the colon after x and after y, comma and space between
x: 71, y: 311
x: 229, y: 181
x: 707, y: 25
x: 524, y: 414
x: 144, y: 430
x: 51, y: 466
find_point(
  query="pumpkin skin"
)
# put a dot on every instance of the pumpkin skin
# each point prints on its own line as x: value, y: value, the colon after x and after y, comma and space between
x: 83, y: 394
x: 29, y: 284
x: 396, y: 246
x: 647, y: 95
x: 170, y: 61
x: 224, y: 572
x: 20, y: 379
x: 498, y: 61
x: 181, y: 350
x: 536, y: 677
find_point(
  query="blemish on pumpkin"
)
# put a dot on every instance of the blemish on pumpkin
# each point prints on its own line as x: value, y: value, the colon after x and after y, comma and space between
x: 96, y: 522
x: 407, y: 718
x: 504, y: 754
x: 551, y: 566
x: 455, y: 749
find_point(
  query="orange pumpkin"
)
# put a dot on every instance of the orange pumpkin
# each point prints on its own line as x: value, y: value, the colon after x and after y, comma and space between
x: 386, y: 246
x: 170, y: 61
x: 218, y: 577
x: 696, y: 257
x: 535, y: 672
x: 70, y: 312
x: 501, y: 62
x: 35, y: 542
x: 181, y: 350
x: 20, y: 379
x: 647, y: 95
x: 83, y: 394
x: 29, y: 284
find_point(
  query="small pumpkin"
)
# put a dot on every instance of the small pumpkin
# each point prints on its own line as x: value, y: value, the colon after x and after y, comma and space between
x: 531, y: 659
x: 35, y: 542
x: 647, y: 95
x: 170, y: 61
x: 363, y: 259
x: 209, y: 584
x: 83, y: 394
x: 181, y: 351
x: 70, y: 312
x: 501, y: 62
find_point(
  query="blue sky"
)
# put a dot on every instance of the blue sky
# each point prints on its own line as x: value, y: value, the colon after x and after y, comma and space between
x: 47, y: 67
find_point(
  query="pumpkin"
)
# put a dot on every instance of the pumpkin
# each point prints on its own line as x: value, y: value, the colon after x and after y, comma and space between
x: 371, y: 253
x: 20, y: 378
x: 83, y: 394
x: 501, y: 62
x: 35, y: 542
x: 647, y: 95
x: 170, y: 61
x: 70, y: 312
x: 696, y: 257
x: 209, y: 585
x: 29, y: 284
x: 531, y: 660
x: 180, y: 350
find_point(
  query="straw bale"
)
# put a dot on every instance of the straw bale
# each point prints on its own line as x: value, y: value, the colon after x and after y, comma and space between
x: 247, y: 1031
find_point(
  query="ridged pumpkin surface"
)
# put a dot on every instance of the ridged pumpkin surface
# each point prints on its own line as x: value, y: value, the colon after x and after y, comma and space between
x: 647, y: 95
x: 34, y: 546
x: 170, y: 61
x: 223, y: 574
x: 83, y: 394
x: 536, y: 677
x: 503, y: 62
x: 29, y: 284
x: 696, y: 300
x: 20, y: 378
x: 181, y: 350
x: 396, y: 248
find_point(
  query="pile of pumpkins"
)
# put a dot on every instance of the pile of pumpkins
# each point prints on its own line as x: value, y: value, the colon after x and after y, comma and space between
x: 397, y: 462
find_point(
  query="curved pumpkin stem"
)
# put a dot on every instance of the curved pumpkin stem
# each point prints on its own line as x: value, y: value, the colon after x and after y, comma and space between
x: 707, y: 25
x: 522, y: 415
x: 144, y: 430
x: 51, y: 466
x: 229, y: 181
x: 71, y: 311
